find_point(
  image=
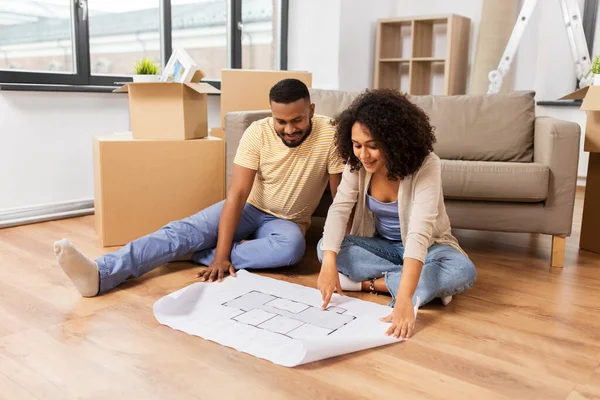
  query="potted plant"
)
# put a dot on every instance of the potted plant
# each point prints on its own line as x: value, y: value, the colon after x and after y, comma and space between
x: 596, y: 70
x: 146, y: 71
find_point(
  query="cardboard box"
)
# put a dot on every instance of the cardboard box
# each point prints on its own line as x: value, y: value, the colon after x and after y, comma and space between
x: 141, y: 185
x: 161, y: 110
x: 591, y: 104
x: 590, y: 220
x: 218, y: 133
x: 248, y: 90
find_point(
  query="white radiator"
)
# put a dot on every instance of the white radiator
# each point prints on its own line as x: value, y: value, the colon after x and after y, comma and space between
x: 46, y: 212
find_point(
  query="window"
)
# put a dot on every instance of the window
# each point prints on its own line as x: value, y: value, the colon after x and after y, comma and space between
x: 96, y: 42
x: 36, y: 36
x: 259, y: 34
x: 200, y: 27
x: 122, y: 32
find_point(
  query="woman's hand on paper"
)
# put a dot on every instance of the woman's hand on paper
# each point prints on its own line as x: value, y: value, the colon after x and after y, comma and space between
x: 328, y: 282
x: 218, y: 270
x: 402, y: 318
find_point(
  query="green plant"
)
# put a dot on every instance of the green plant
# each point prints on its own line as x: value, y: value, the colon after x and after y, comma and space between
x: 146, y: 67
x: 596, y: 65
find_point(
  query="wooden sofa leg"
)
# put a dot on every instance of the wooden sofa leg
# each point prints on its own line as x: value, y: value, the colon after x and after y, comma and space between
x: 558, y: 251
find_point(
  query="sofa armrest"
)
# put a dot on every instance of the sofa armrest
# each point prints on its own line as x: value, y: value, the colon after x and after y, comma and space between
x: 236, y: 124
x: 556, y: 144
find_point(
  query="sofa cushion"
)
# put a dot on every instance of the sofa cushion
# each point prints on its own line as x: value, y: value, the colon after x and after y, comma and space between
x: 331, y: 102
x: 495, y: 127
x: 495, y: 181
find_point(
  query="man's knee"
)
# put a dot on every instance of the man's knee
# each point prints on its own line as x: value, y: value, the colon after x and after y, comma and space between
x: 195, y: 228
x: 289, y: 248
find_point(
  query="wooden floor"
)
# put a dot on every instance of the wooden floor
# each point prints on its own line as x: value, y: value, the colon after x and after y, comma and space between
x: 524, y: 331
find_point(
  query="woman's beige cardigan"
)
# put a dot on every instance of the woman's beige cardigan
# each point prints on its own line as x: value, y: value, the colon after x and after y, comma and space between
x: 423, y: 218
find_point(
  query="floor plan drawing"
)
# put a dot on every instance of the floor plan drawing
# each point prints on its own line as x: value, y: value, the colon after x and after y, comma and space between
x: 287, y: 317
x: 275, y: 320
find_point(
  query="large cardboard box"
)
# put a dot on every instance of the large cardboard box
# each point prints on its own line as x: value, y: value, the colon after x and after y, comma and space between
x: 590, y: 223
x: 248, y: 89
x: 161, y: 110
x: 141, y: 185
x: 218, y: 133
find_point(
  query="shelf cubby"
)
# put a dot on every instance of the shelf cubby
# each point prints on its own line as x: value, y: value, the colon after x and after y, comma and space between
x: 423, y: 55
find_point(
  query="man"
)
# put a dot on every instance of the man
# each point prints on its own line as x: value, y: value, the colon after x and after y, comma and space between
x: 281, y: 169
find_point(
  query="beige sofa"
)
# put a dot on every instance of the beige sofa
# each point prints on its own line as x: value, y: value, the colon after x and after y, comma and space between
x: 503, y: 169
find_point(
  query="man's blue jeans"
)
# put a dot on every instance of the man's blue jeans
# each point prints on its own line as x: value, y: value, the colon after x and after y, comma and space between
x: 446, y: 271
x: 269, y: 242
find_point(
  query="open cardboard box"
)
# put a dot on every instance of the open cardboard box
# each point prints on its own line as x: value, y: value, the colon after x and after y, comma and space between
x: 591, y: 104
x: 169, y: 110
x: 591, y: 209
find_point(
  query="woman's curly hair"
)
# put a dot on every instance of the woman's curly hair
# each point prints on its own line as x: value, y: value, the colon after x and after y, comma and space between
x: 400, y: 128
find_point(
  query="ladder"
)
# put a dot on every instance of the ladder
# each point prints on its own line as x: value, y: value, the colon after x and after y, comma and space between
x: 577, y: 42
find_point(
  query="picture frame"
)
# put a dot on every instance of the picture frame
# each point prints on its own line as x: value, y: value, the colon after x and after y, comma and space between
x: 180, y: 67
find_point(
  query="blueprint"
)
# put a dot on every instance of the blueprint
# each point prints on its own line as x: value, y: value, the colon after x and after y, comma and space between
x: 275, y: 320
x: 287, y: 317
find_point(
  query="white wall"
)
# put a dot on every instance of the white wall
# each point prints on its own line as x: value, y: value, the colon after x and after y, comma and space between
x: 357, y: 41
x: 313, y: 40
x: 544, y: 61
x: 46, y: 143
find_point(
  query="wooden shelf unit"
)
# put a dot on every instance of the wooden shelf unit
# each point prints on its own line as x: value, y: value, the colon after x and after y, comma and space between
x: 423, y: 55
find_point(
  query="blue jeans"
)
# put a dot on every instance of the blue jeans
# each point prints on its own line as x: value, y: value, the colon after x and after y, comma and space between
x: 274, y: 242
x: 446, y: 271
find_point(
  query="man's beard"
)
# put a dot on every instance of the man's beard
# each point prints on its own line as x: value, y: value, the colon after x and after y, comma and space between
x: 292, y: 145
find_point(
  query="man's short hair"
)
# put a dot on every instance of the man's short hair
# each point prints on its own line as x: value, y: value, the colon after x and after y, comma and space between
x: 288, y: 91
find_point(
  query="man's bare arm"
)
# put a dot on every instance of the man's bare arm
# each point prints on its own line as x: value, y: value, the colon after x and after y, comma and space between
x: 334, y: 182
x: 239, y: 190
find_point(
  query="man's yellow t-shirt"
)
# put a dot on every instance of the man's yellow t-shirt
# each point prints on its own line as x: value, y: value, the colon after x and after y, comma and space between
x: 290, y: 181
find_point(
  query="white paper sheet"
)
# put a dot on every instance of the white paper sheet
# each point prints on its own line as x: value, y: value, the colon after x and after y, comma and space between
x: 274, y: 320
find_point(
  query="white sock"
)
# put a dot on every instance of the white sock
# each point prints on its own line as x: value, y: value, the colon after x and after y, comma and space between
x: 348, y: 284
x: 446, y: 300
x: 80, y: 269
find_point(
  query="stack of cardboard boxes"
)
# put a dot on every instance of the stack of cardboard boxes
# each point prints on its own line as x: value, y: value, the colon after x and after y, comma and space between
x: 167, y: 168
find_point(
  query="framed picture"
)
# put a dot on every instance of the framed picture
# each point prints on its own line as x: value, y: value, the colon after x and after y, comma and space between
x: 180, y: 68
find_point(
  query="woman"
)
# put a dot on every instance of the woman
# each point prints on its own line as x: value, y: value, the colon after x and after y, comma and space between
x: 400, y: 241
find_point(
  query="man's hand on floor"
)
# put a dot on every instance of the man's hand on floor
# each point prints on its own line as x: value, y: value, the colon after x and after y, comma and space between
x: 218, y: 270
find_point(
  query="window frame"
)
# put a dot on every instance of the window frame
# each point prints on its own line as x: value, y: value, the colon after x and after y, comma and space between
x: 81, y: 48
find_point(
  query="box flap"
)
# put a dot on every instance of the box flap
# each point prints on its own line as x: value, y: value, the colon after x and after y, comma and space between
x: 157, y: 85
x: 125, y: 87
x: 591, y: 102
x: 203, y: 87
x: 122, y: 89
x: 198, y: 76
x: 577, y: 95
